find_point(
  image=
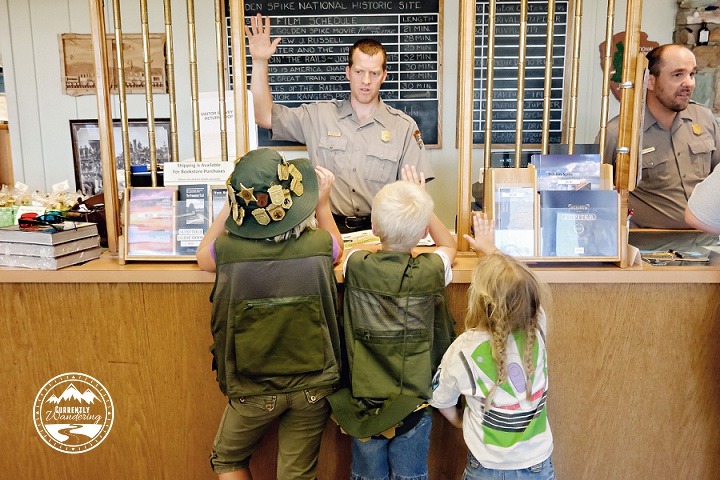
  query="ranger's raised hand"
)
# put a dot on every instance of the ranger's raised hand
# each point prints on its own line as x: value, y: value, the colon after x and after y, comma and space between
x: 258, y: 34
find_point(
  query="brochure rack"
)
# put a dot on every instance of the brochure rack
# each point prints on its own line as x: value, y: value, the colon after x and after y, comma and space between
x: 167, y: 223
x: 574, y: 226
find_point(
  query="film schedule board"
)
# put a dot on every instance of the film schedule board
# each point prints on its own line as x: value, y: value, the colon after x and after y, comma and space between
x: 507, y: 48
x: 309, y: 64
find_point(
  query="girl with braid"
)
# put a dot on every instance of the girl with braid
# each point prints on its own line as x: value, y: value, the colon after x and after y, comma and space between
x: 500, y: 365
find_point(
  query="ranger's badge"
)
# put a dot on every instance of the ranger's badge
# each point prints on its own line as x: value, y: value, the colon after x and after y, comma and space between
x: 296, y: 187
x: 287, y: 200
x: 418, y: 139
x: 263, y: 199
x: 237, y: 213
x: 283, y: 171
x: 276, y: 212
x: 385, y: 136
x: 294, y: 172
x: 261, y: 216
x: 276, y: 194
x: 247, y: 194
x: 697, y: 129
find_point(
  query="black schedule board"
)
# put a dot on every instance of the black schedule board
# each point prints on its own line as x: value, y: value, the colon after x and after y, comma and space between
x: 507, y: 48
x: 309, y: 64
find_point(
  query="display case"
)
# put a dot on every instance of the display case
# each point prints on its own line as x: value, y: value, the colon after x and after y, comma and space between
x: 574, y: 223
x: 168, y: 223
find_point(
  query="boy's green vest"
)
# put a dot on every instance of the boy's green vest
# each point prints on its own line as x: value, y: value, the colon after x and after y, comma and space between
x: 274, y: 321
x: 397, y: 328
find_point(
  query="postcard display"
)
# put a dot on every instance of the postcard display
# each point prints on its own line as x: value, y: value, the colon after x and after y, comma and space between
x: 561, y: 208
x: 168, y: 223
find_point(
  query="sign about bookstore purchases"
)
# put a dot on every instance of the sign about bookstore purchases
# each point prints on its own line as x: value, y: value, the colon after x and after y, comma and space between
x: 309, y: 64
x: 184, y: 173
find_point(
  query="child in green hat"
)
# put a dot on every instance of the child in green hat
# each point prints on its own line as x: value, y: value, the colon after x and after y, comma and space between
x: 276, y: 344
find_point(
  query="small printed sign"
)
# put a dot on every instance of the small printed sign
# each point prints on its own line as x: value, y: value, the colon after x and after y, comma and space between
x: 186, y: 173
x: 61, y: 187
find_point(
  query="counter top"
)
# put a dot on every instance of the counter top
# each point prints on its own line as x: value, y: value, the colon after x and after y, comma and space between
x: 107, y: 269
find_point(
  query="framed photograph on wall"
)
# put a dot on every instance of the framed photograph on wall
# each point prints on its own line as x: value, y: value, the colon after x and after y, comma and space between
x: 86, y: 150
x: 77, y: 63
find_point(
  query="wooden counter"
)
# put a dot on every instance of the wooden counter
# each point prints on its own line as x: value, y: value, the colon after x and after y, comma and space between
x: 108, y: 270
x: 634, y: 372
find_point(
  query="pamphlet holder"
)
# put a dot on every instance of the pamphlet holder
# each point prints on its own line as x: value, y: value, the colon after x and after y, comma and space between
x: 150, y: 225
x: 513, y: 202
x: 514, y: 191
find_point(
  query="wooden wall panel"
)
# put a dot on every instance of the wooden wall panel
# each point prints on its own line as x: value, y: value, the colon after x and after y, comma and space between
x: 634, y: 381
x: 633, y: 372
x: 147, y: 344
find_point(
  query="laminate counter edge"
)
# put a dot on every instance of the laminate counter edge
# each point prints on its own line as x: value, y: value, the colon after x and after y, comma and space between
x: 107, y: 269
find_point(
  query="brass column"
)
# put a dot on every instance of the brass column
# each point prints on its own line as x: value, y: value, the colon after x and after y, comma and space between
x: 220, y: 49
x: 520, y: 115
x: 466, y: 64
x: 105, y: 126
x: 242, y: 133
x: 170, y: 67
x: 148, y: 92
x: 574, y: 77
x: 547, y: 86
x: 122, y: 94
x: 609, y: 28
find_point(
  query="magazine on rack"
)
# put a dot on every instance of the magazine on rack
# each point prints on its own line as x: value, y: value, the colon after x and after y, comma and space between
x: 567, y: 172
x: 151, y: 221
x: 515, y: 220
x: 582, y: 223
x: 193, y: 217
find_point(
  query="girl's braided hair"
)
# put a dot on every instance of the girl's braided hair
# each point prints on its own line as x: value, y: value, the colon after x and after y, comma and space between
x: 505, y: 296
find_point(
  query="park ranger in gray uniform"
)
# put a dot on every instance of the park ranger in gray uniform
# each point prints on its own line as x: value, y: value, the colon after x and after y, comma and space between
x: 680, y: 141
x: 363, y: 141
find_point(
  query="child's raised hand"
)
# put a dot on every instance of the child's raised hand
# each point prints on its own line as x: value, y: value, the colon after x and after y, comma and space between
x: 410, y: 174
x: 325, y: 181
x: 484, y: 230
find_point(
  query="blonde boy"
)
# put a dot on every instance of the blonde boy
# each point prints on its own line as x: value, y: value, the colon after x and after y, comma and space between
x: 397, y: 327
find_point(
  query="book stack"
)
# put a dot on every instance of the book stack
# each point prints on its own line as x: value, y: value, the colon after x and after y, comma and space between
x: 47, y: 248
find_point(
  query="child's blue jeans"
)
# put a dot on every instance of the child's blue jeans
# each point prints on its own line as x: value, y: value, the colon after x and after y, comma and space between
x: 475, y: 471
x: 403, y: 457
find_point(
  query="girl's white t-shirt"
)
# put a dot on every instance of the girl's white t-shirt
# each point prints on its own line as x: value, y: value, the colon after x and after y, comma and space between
x: 515, y: 432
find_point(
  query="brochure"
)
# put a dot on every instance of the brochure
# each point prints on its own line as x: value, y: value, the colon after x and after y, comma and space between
x: 567, y: 172
x: 581, y: 223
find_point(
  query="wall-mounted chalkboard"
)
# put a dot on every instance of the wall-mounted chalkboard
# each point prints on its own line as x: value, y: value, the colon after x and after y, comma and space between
x: 507, y: 48
x: 309, y: 64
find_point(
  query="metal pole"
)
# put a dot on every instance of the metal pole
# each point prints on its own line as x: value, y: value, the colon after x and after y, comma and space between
x: 105, y: 126
x: 220, y: 48
x: 170, y: 67
x: 192, y: 46
x: 574, y: 77
x: 547, y: 86
x: 466, y: 64
x: 242, y: 133
x: 148, y: 92
x: 489, y: 88
x: 122, y: 92
x: 604, y: 107
x: 520, y: 117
